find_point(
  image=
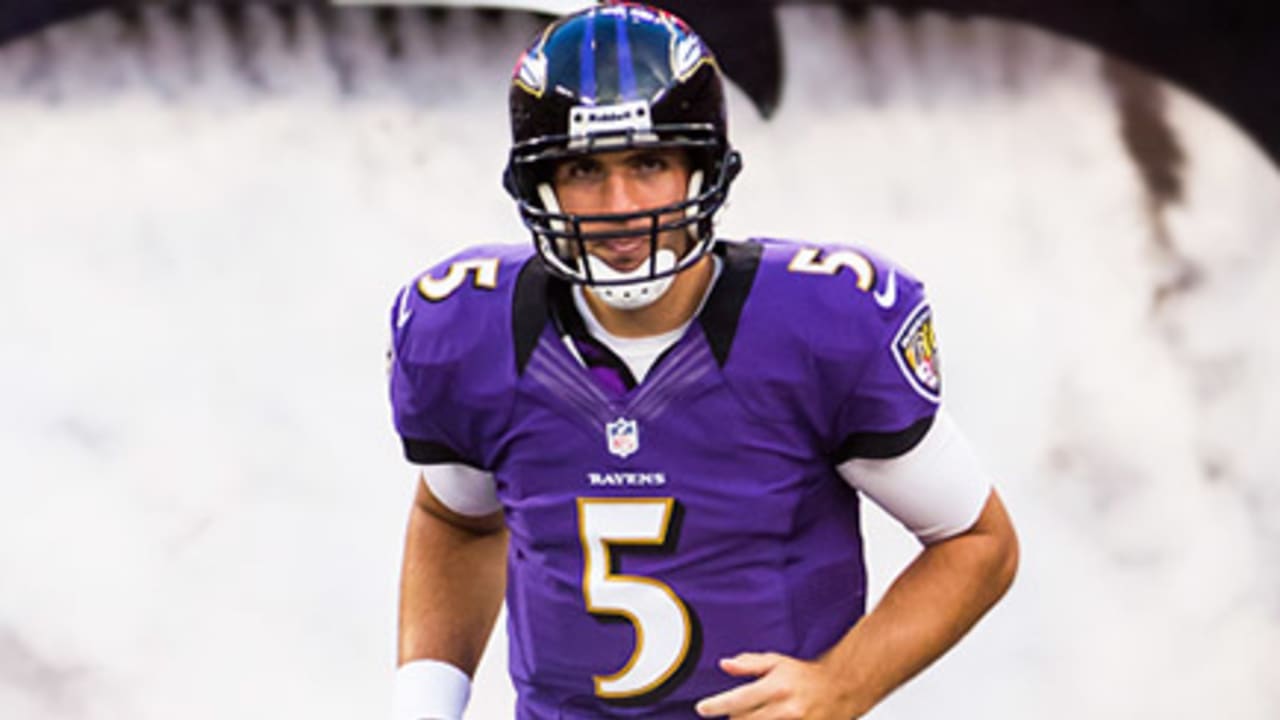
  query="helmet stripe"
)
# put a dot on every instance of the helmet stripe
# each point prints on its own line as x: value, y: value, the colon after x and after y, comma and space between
x: 587, y: 61
x: 626, y: 66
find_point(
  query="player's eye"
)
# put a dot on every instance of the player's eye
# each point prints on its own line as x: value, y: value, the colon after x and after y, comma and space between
x: 650, y: 162
x: 578, y: 170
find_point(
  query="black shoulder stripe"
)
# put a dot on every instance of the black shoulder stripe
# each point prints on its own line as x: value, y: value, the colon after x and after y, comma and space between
x: 882, y: 446
x: 724, y: 308
x: 423, y: 452
x: 529, y: 313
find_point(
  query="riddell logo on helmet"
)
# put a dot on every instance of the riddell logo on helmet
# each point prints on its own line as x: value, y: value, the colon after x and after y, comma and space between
x: 587, y: 120
x: 607, y: 116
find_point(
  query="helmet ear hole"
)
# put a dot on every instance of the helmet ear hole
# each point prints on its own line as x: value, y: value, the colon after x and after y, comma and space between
x: 509, y: 182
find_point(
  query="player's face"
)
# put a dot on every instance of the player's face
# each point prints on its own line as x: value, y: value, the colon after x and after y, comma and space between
x: 625, y: 181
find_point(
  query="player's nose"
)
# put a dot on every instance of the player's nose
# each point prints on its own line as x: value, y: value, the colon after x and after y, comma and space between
x: 620, y: 194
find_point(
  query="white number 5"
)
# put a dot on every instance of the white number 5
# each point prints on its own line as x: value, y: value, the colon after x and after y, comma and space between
x: 486, y: 277
x: 807, y: 261
x: 661, y: 620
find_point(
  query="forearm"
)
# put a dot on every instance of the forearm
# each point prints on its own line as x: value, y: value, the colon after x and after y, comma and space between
x: 451, y: 586
x: 927, y: 609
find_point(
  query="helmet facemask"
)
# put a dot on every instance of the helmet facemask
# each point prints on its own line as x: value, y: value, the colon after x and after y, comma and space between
x: 564, y: 245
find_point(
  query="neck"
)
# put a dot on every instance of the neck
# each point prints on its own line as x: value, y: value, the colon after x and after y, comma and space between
x: 675, y: 308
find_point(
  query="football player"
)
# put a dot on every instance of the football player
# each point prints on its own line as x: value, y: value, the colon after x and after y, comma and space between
x: 656, y: 442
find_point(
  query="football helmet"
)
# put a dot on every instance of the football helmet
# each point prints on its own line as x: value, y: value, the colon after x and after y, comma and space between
x: 609, y: 78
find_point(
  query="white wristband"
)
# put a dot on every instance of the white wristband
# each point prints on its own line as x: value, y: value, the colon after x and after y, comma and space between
x: 430, y: 690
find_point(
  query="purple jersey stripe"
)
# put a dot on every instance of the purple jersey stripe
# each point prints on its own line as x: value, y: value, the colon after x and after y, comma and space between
x: 570, y: 386
x: 569, y: 367
x: 559, y: 388
x: 666, y: 367
x: 566, y: 380
x: 673, y: 385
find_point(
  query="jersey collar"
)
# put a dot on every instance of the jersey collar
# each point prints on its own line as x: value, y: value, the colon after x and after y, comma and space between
x: 540, y: 299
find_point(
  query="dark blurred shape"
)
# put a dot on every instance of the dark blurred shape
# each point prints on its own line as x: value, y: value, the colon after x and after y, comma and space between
x: 19, y: 17
x: 745, y: 37
x: 1227, y: 52
x: 1148, y: 135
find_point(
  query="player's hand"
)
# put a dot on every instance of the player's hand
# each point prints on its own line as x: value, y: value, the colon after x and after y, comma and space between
x: 784, y: 689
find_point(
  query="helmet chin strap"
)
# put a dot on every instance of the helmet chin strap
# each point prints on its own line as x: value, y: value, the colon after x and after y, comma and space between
x: 642, y: 291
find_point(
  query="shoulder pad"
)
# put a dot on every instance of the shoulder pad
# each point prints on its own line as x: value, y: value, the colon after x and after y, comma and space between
x: 452, y: 366
x: 858, y: 328
x: 852, y: 309
x: 449, y: 309
x: 841, y: 290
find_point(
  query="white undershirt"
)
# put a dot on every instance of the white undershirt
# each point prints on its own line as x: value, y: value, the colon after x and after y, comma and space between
x: 937, y: 489
x: 639, y: 354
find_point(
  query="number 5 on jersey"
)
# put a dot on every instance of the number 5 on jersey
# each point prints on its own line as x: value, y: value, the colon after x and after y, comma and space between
x: 661, y: 620
x: 812, y: 261
x: 486, y: 278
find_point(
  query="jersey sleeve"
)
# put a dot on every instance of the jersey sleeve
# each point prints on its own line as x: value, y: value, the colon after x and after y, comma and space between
x: 420, y: 402
x: 450, y: 371
x: 893, y: 398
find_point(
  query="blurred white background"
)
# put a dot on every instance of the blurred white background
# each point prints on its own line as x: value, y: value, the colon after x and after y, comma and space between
x: 202, y: 499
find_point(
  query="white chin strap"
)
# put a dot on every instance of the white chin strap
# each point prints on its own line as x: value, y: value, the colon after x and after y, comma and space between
x: 643, y: 291
x: 631, y: 295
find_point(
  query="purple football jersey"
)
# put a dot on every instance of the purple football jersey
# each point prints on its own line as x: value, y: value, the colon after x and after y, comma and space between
x: 659, y: 527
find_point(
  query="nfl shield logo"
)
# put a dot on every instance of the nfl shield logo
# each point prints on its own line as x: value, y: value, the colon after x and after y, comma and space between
x: 623, y: 436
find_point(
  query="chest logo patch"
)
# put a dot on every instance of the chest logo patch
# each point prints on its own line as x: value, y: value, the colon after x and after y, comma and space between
x: 916, y: 349
x: 623, y: 437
